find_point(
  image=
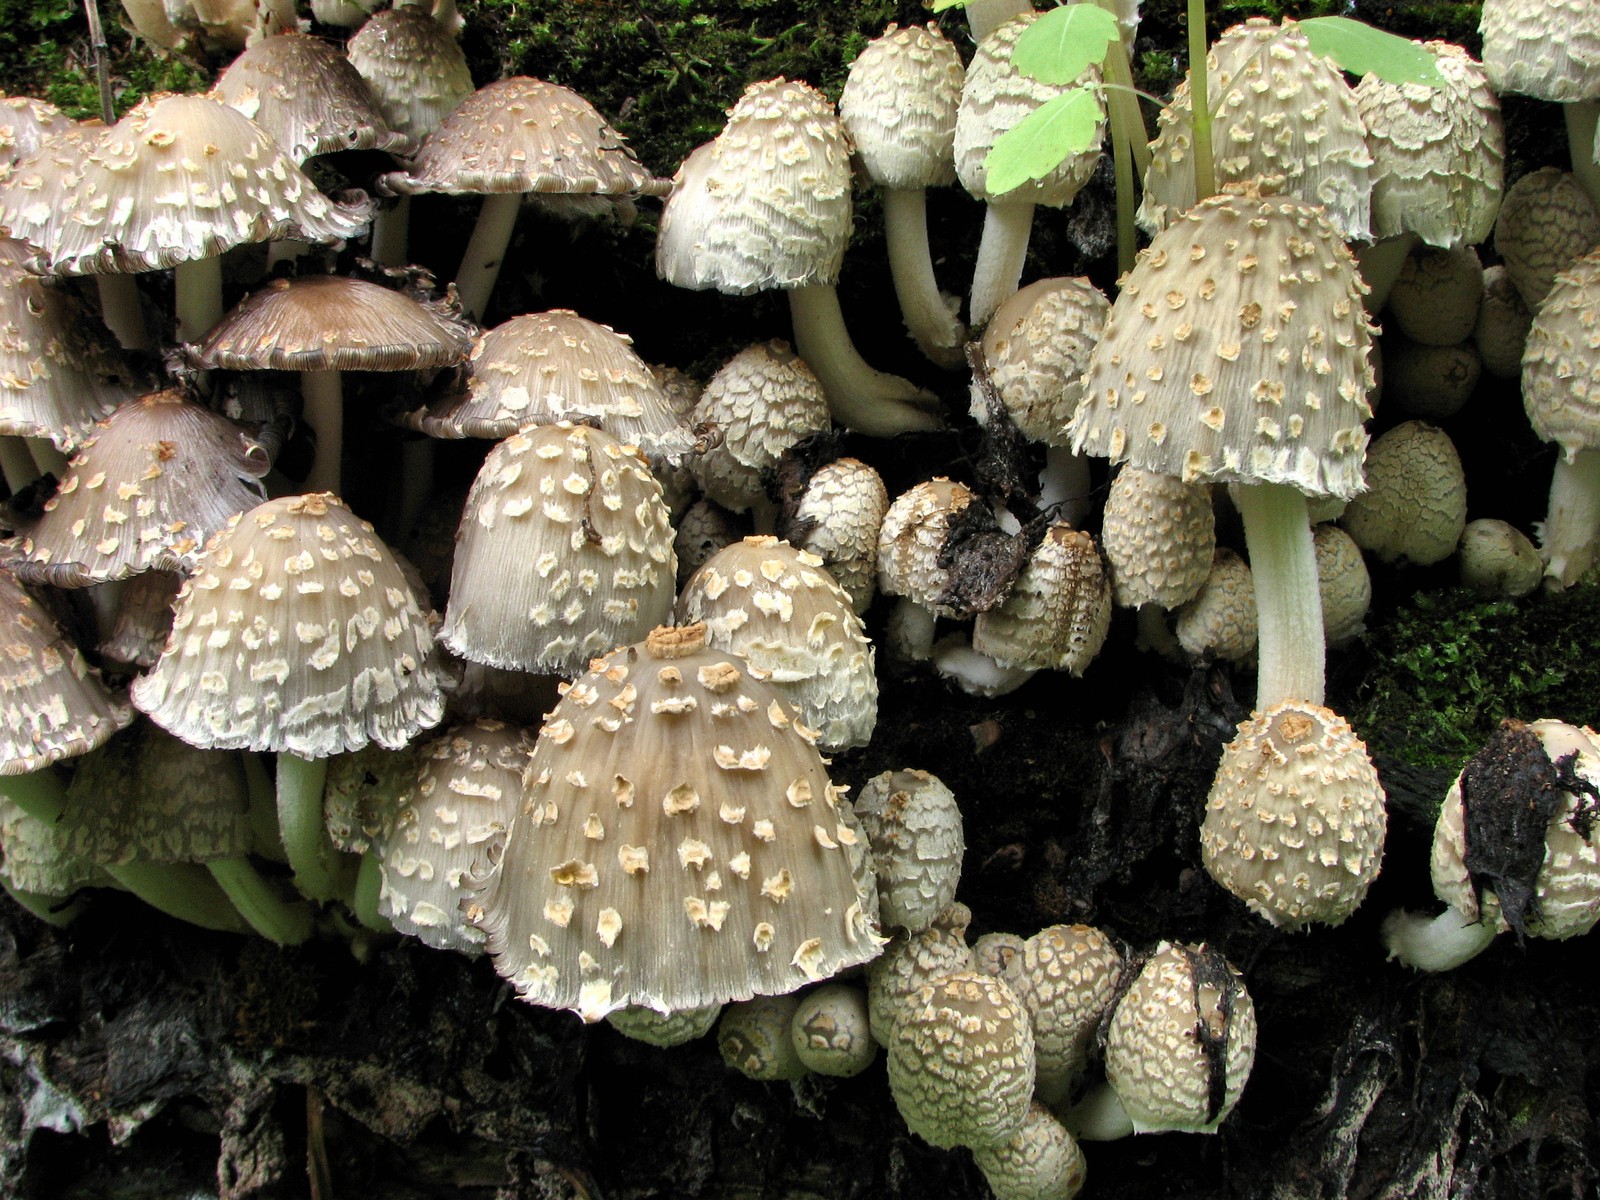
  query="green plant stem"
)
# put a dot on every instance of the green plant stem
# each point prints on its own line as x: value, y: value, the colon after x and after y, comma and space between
x: 368, y: 891
x: 41, y: 794
x: 258, y: 902
x: 1205, y: 178
x: 53, y: 910
x: 316, y: 864
x: 263, y: 811
x: 182, y: 890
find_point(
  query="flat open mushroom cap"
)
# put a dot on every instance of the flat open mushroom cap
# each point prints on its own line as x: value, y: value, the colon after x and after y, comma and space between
x: 332, y: 323
x: 297, y: 632
x: 525, y: 135
x: 680, y: 843
x: 149, y: 485
x: 413, y: 66
x: 309, y: 97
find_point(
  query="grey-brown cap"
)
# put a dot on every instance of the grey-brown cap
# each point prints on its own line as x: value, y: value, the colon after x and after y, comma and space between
x: 34, y: 855
x: 1058, y: 612
x: 831, y: 1032
x: 899, y: 105
x: 1498, y: 560
x: 415, y: 69
x: 1544, y: 48
x: 1036, y: 347
x: 913, y: 826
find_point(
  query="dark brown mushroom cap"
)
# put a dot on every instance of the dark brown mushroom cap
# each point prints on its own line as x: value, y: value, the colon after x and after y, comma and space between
x: 415, y: 69
x: 332, y: 323
x: 180, y: 178
x: 52, y: 703
x: 525, y: 135
x: 24, y: 124
x: 149, y: 485
x: 309, y: 97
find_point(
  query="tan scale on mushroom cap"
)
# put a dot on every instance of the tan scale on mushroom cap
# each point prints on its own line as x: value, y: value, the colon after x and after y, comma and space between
x: 1068, y: 978
x: 1546, y: 222
x: 297, y: 632
x: 913, y: 959
x: 680, y: 843
x: 415, y: 69
x: 913, y: 826
x: 1036, y: 347
x: 1040, y: 1161
x: 1544, y: 48
x: 564, y: 552
x: 1058, y: 612
x: 1561, y: 361
x: 1295, y: 821
x: 1159, y: 534
x: 24, y: 125
x: 838, y: 519
x: 912, y: 535
x: 899, y: 105
x: 1220, y: 621
x: 1236, y: 350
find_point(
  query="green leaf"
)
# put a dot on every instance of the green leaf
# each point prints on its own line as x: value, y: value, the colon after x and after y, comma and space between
x: 1361, y: 50
x: 1064, y: 41
x: 940, y: 6
x: 1042, y: 140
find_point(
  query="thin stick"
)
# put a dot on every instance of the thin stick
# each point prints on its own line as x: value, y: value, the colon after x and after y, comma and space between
x: 100, y: 51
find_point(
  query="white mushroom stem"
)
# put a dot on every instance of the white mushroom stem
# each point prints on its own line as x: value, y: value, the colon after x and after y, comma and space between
x: 259, y: 903
x: 909, y: 631
x: 1099, y: 1116
x: 859, y: 397
x: 938, y: 332
x: 390, y: 227
x: 121, y: 311
x: 1002, y: 251
x: 1582, y: 117
x: 315, y: 861
x: 1439, y: 943
x: 486, y: 250
x: 322, y: 393
x: 199, y: 297
x: 1381, y: 264
x: 983, y: 16
x: 1567, y: 538
x: 974, y: 672
x: 1283, y: 561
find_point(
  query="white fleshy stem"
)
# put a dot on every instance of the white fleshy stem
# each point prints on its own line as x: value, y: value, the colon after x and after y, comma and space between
x: 936, y: 329
x: 323, y: 396
x: 486, y: 250
x: 1582, y: 118
x: 863, y: 399
x: 121, y: 311
x: 1099, y: 1116
x: 1380, y: 266
x: 908, y: 634
x: 16, y: 463
x: 1283, y: 562
x: 973, y: 671
x: 1002, y: 251
x: 1567, y: 538
x: 1439, y: 943
x: 390, y: 227
x: 984, y: 15
x: 1155, y: 634
x: 199, y: 297
x: 1064, y: 482
x: 318, y: 867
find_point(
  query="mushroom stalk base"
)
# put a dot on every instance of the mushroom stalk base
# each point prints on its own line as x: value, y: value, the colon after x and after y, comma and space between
x: 866, y: 400
x: 480, y: 265
x: 1283, y: 561
x: 1439, y: 943
x: 258, y: 902
x: 935, y: 328
x: 1002, y: 251
x: 1381, y: 264
x: 1567, y: 538
x: 199, y: 297
x: 312, y: 856
x: 323, y: 396
x: 367, y: 893
x: 1099, y: 1116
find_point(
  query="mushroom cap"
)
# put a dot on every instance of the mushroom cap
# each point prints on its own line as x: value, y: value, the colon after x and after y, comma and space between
x: 1159, y: 535
x: 664, y: 1029
x: 524, y: 135
x: 1435, y: 300
x: 1544, y: 48
x: 913, y: 535
x: 1344, y: 582
x: 1433, y: 382
x: 362, y: 793
x: 144, y: 618
x: 333, y: 323
x: 841, y: 512
x: 564, y: 552
x: 1438, y: 152
x: 999, y: 954
x: 754, y: 1039
x: 297, y: 633
x: 1560, y: 363
x: 1498, y: 559
x: 913, y: 959
x: 1237, y: 350
x: 179, y: 178
x: 309, y: 97
x: 1546, y: 222
x: 1277, y: 109
x: 1220, y: 621
x: 1036, y: 347
x: 704, y: 528
x: 913, y: 826
x: 34, y: 855
x: 1501, y: 329
x: 1295, y: 820
x: 767, y: 203
x: 145, y: 490
x: 899, y: 106
x: 1067, y: 979
x: 830, y: 1031
x: 416, y: 70
x: 680, y: 843
x: 779, y: 609
x: 1040, y: 1161
x: 24, y: 125
x: 1058, y: 612
x: 1415, y: 505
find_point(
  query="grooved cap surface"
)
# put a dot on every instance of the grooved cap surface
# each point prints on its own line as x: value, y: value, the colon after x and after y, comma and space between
x: 1159, y: 534
x: 899, y: 105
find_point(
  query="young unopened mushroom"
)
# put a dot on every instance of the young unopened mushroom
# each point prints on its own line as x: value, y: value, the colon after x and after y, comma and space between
x: 838, y: 519
x: 1430, y: 382
x: 1040, y: 1161
x: 913, y: 826
x: 1499, y: 560
x: 754, y: 1039
x: 830, y: 1031
x: 913, y: 959
x: 1345, y: 583
x: 1501, y: 329
x: 1415, y: 505
x: 664, y: 1030
x: 910, y: 543
x: 36, y: 868
x: 1159, y: 535
x: 1067, y: 979
x: 1546, y: 222
x: 1058, y: 612
x: 1435, y: 300
x: 1220, y: 621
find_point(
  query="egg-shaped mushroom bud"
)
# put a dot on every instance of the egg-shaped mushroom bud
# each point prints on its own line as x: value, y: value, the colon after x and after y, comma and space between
x: 1498, y: 559
x: 362, y: 792
x: 754, y: 1039
x: 838, y: 519
x: 777, y: 608
x: 1159, y: 535
x: 1431, y: 382
x: 1067, y: 979
x: 1415, y: 505
x: 583, y: 519
x: 1000, y: 954
x: 1345, y: 583
x: 1501, y: 330
x: 830, y: 1031
x: 1546, y: 222
x: 899, y: 107
x: 705, y: 528
x: 913, y: 959
x: 1220, y: 622
x: 910, y: 543
x: 680, y: 844
x: 1295, y: 821
x: 1058, y: 612
x: 664, y: 1030
x: 1435, y: 300
x: 913, y: 827
x: 1040, y: 1161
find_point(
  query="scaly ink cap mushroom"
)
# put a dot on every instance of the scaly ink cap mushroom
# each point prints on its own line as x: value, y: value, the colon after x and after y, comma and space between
x: 1159, y: 534
x: 415, y: 69
x: 1546, y: 223
x: 1067, y: 978
x: 1058, y: 612
x: 830, y: 1031
x: 913, y: 826
x: 1040, y: 1161
x: 1415, y: 505
x: 838, y: 519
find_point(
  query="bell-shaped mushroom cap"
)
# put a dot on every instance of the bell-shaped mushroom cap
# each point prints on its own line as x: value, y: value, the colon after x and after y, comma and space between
x: 34, y: 855
x: 542, y: 368
x: 1544, y: 48
x: 1438, y: 152
x: 838, y: 519
x: 415, y: 69
x: 913, y: 959
x: 1560, y: 365
x: 1236, y: 350
x: 1220, y: 621
x: 913, y: 826
x: 1066, y: 979
x: 524, y: 135
x: 332, y: 323
x: 1036, y: 347
x: 297, y: 632
x: 180, y: 178
x: 144, y: 618
x: 60, y: 370
x: 765, y: 205
x: 1415, y: 505
x: 912, y: 538
x: 1295, y: 820
x: 564, y: 552
x: 704, y: 528
x: 464, y: 795
x: 309, y: 97
x: 1159, y: 534
x: 145, y: 490
x: 1546, y: 222
x: 995, y: 98
x: 24, y: 125
x: 1058, y: 612
x: 681, y: 843
x: 1278, y: 110
x: 899, y: 105
x: 1040, y: 1161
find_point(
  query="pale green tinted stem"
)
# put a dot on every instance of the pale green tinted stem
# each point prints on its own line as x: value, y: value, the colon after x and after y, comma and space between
x: 1205, y: 179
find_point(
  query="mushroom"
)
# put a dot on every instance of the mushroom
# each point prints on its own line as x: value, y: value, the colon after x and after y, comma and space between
x: 838, y: 519
x: 1431, y: 382
x: 913, y: 827
x: 999, y: 954
x: 1159, y: 535
x: 754, y: 1039
x: 664, y: 1029
x: 705, y: 528
x: 830, y: 1031
x: 1435, y: 300
x: 1058, y: 612
x: 36, y: 868
x: 1067, y: 977
x: 1546, y: 223
x: 1220, y: 621
x: 1415, y: 505
x: 1040, y: 1161
x: 910, y: 543
x: 913, y: 959
x: 1344, y: 582
x: 1501, y: 329
x: 1498, y: 560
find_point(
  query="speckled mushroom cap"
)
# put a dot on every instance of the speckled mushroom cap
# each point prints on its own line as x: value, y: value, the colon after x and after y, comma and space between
x: 1501, y: 329
x: 52, y: 704
x: 960, y: 1059
x: 1159, y: 534
x: 1040, y: 1161
x: 1546, y: 222
x: 680, y: 843
x: 704, y: 528
x: 415, y: 69
x: 899, y: 105
x: 1560, y: 363
x: 467, y: 789
x: 144, y: 618
x: 762, y: 401
x: 995, y: 98
x: 362, y: 793
x: 1498, y: 560
x: 830, y: 1031
x: 1415, y: 505
x: 1236, y: 350
x: 913, y: 959
x: 1058, y: 612
x: 1180, y: 1043
x: 297, y: 632
x: 754, y: 1038
x: 912, y: 535
x: 564, y: 551
x: 524, y: 135
x: 1277, y: 109
x: 838, y: 519
x: 1566, y: 900
x: 913, y: 826
x: 60, y: 370
x: 145, y: 490
x: 34, y: 856
x: 1438, y: 152
x: 24, y: 125
x: 1036, y: 347
x: 309, y: 97
x: 1544, y: 48
x: 664, y: 1029
x: 997, y: 953
x: 1220, y: 621
x: 1067, y: 979
x: 1295, y: 821
x: 765, y: 205
x: 180, y: 178
x: 1344, y: 582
